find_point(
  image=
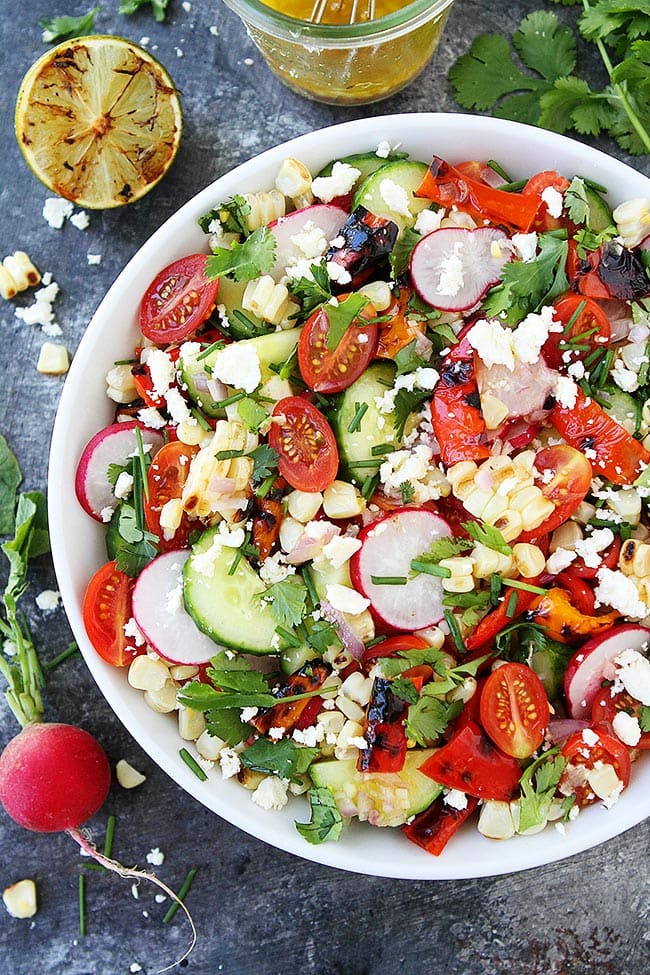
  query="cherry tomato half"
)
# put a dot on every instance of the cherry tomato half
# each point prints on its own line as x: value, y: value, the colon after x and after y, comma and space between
x: 566, y: 485
x: 306, y: 445
x: 106, y: 608
x: 328, y: 370
x: 595, y: 750
x: 548, y: 179
x: 589, y: 331
x: 393, y: 645
x: 166, y: 478
x: 178, y: 300
x: 515, y: 710
x: 605, y: 708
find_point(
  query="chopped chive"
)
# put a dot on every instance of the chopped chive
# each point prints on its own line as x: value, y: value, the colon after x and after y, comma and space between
x: 574, y: 317
x: 369, y: 486
x: 192, y: 764
x: 382, y: 448
x: 142, y: 460
x: 495, y: 588
x: 288, y: 636
x: 235, y: 398
x: 466, y: 600
x: 454, y: 630
x: 431, y: 569
x: 265, y: 486
x: 517, y: 584
x: 388, y: 580
x: 311, y: 589
x: 598, y: 187
x: 355, y: 422
x: 69, y: 651
x: 138, y: 504
x: 93, y: 866
x: 187, y: 883
x: 248, y: 324
x: 511, y: 608
x: 125, y: 362
x: 200, y: 418
x: 363, y: 463
x: 82, y: 905
x: 213, y: 347
x: 514, y: 187
x: 110, y: 832
x: 228, y: 454
x: 499, y: 170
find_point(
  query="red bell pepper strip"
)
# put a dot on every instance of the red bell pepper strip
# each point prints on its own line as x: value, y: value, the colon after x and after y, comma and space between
x: 288, y: 715
x: 433, y: 828
x: 456, y: 408
x: 502, y: 616
x: 471, y: 763
x: 582, y: 595
x: 586, y: 426
x: 449, y: 187
x: 385, y: 733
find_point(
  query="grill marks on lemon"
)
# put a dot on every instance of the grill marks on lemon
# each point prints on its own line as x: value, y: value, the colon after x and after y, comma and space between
x: 98, y: 121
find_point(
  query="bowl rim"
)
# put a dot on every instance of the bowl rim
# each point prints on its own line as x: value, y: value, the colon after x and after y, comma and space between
x: 77, y: 542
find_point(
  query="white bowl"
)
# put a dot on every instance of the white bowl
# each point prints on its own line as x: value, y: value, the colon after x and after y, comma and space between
x: 78, y: 541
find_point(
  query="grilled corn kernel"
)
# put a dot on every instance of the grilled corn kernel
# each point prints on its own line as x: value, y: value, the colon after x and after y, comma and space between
x: 477, y: 500
x: 350, y: 730
x: 127, y: 776
x: 20, y: 899
x: 342, y: 500
x: 266, y: 299
x: 303, y: 505
x: 119, y: 384
x: 294, y: 181
x: 163, y: 700
x: 358, y: 688
x: 627, y: 504
x: 465, y: 691
x: 524, y: 496
x: 632, y: 219
x: 182, y: 672
x: 190, y: 434
x: 584, y: 513
x: 529, y: 559
x: 208, y: 746
x: 485, y: 561
x: 462, y: 471
x: 21, y: 269
x: 494, y: 411
x: 495, y: 820
x: 362, y: 625
x: 264, y: 208
x: 566, y: 536
x: 8, y: 287
x: 497, y: 505
x: 510, y: 525
x: 53, y: 359
x: 458, y: 584
x: 458, y: 565
x: 191, y: 724
x: 171, y: 514
x: 148, y: 674
x: 433, y: 636
x: 378, y: 293
x: 641, y: 560
x: 249, y: 779
x: 534, y: 514
x: 349, y: 708
x: 290, y: 532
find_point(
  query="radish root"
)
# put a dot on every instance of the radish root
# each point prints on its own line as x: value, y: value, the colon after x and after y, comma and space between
x: 134, y: 872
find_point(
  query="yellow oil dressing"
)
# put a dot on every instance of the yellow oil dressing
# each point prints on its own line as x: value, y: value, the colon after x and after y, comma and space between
x: 336, y: 11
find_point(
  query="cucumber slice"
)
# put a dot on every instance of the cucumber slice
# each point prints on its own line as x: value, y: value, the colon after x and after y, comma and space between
x: 227, y: 607
x: 406, y: 173
x: 621, y: 408
x: 374, y: 429
x: 391, y: 807
x: 366, y: 162
x: 230, y: 295
x: 293, y: 658
x: 600, y: 215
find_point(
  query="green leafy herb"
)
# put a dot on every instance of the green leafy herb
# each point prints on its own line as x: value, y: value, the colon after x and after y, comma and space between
x: 232, y: 215
x: 428, y: 718
x: 265, y: 462
x: 341, y: 315
x: 65, y: 27
x: 576, y: 202
x: 287, y: 601
x: 314, y: 291
x: 408, y: 359
x: 159, y: 7
x: 407, y: 491
x: 407, y: 401
x: 538, y: 785
x: 400, y: 256
x: 445, y: 548
x: 284, y: 758
x: 322, y: 635
x: 487, y: 535
x: 525, y: 287
x: 114, y: 471
x: 326, y: 821
x: 530, y: 644
x: 252, y: 414
x: 10, y: 478
x: 405, y: 690
x: 244, y: 261
x: 130, y: 545
x: 549, y: 94
x: 644, y: 717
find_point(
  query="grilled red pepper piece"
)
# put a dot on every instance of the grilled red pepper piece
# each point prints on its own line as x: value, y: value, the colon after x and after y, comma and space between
x: 366, y: 238
x: 471, y: 763
x: 613, y: 271
x: 449, y: 187
x: 586, y: 426
x: 582, y: 595
x: 385, y: 731
x: 498, y: 619
x: 456, y: 408
x: 267, y: 518
x: 287, y: 716
x: 433, y: 828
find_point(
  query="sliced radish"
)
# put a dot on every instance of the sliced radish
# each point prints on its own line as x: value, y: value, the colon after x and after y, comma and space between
x: 114, y: 444
x: 452, y: 268
x: 388, y: 547
x: 322, y: 216
x: 591, y: 664
x: 159, y: 611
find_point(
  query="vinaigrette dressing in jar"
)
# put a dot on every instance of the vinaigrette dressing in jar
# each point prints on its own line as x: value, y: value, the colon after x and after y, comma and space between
x: 341, y: 63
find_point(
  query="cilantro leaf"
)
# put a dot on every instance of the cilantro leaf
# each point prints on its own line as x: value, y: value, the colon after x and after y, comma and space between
x: 10, y: 478
x: 287, y: 601
x: 65, y: 27
x: 607, y: 17
x: 246, y: 260
x: 227, y: 725
x: 405, y: 690
x: 265, y: 462
x: 400, y: 256
x: 284, y: 758
x: 445, y: 548
x: 159, y: 7
x: 252, y: 414
x: 232, y: 215
x: 407, y: 401
x: 487, y: 535
x: 544, y: 46
x: 538, y: 785
x: 487, y: 73
x: 326, y: 821
x: 644, y: 717
x: 408, y: 359
x: 576, y: 202
x: 428, y: 718
x: 128, y: 545
x: 525, y: 287
x: 408, y: 492
x: 322, y: 635
x: 312, y: 292
x: 341, y: 315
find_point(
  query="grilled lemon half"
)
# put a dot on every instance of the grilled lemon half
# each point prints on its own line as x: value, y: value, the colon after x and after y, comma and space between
x: 98, y: 121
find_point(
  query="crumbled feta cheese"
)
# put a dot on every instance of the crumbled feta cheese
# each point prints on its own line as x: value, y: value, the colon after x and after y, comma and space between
x: 565, y: 391
x: 229, y: 762
x: 55, y: 211
x: 274, y: 569
x: 276, y: 733
x: 238, y: 365
x: 80, y: 220
x: 123, y: 485
x: 428, y: 220
x: 150, y: 417
x: 456, y: 799
x: 525, y: 246
x: 106, y: 514
x: 135, y: 967
x: 625, y: 379
x: 155, y: 857
x: 589, y: 548
x: 271, y: 793
x: 48, y: 600
x: 395, y: 197
x: 627, y: 728
x: 340, y: 550
x: 618, y: 591
x: 311, y: 737
x: 178, y: 409
x: 94, y: 259
x: 247, y: 714
x: 560, y: 560
x: 40, y: 312
x: 336, y: 272
x: 576, y: 370
x: 531, y: 334
x: 633, y: 670
x: 311, y: 241
x: 493, y: 343
x: 161, y: 369
x: 343, y: 178
x: 553, y: 200
x: 416, y: 467
x: 383, y: 149
x: 497, y: 344
x: 345, y: 599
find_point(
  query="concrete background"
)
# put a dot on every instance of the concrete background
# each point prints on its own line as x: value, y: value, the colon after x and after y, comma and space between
x: 257, y: 910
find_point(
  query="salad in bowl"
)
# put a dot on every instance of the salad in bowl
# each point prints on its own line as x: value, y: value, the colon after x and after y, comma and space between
x: 371, y: 482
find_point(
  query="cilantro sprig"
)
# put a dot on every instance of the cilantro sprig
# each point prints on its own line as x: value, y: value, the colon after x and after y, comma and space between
x: 244, y: 261
x: 158, y: 7
x: 326, y: 821
x: 538, y: 785
x: 65, y: 27
x: 540, y: 88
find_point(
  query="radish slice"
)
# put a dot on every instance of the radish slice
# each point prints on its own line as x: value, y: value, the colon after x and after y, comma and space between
x: 161, y: 616
x: 589, y: 665
x: 112, y: 445
x: 388, y: 546
x: 452, y: 268
x: 324, y: 217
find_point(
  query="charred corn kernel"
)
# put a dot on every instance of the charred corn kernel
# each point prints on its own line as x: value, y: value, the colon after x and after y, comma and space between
x: 349, y: 708
x: 485, y: 561
x: 265, y: 206
x: 458, y: 584
x: 456, y: 218
x: 163, y: 700
x: 525, y: 496
x: 433, y: 636
x: 21, y: 270
x: 240, y: 471
x: 191, y: 724
x: 148, y: 674
x: 632, y: 219
x: 331, y: 721
x: 8, y: 287
x: 275, y: 389
x: 204, y: 492
x: 342, y: 500
x: 208, y: 746
x: 53, y: 359
x: 249, y: 779
x: 290, y: 532
x: 358, y: 688
x: 294, y: 181
x: 494, y: 411
x: 190, y: 434
x: 495, y: 820
x: 506, y: 564
x: 171, y: 514
x: 495, y: 508
x: 127, y: 776
x: 643, y: 588
x: 182, y: 672
x: 458, y: 565
x: 529, y: 559
x: 362, y: 625
x: 627, y: 504
x: 584, y: 513
x: 464, y: 470
x: 119, y: 384
x: 465, y: 691
x: 288, y: 320
x: 566, y: 536
x: 510, y: 525
x: 266, y: 299
x: 534, y: 514
x: 378, y: 293
x: 350, y: 730
x: 641, y: 560
x: 603, y: 780
x: 477, y: 500
x: 20, y: 898
x: 303, y: 505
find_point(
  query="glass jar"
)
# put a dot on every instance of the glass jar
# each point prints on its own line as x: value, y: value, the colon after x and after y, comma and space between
x: 346, y: 64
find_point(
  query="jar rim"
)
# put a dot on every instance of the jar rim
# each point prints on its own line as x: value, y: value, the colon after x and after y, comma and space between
x: 274, y: 22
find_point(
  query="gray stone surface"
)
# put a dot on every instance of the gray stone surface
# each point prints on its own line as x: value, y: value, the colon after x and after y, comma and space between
x: 257, y: 910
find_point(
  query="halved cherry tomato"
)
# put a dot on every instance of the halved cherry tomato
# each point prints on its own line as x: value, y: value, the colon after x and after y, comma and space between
x: 166, y: 477
x: 306, y: 445
x: 433, y: 828
x: 566, y: 485
x: 471, y: 763
x: 548, y: 179
x: 586, y: 426
x: 590, y: 330
x: 392, y: 646
x: 582, y: 751
x: 178, y: 300
x: 605, y: 707
x: 515, y: 710
x: 328, y: 370
x: 106, y: 609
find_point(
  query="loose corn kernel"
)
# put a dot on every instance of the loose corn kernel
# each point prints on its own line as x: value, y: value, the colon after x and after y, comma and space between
x: 495, y: 820
x: 208, y: 746
x: 303, y: 505
x: 641, y: 561
x: 465, y: 691
x: 627, y: 554
x: 342, y: 500
x: 249, y: 779
x: 494, y: 411
x: 357, y: 688
x: 566, y: 536
x: 458, y: 565
x: 290, y: 532
x: 22, y: 271
x: 294, y: 181
x: 163, y: 700
x: 362, y: 625
x: 458, y: 584
x: 191, y: 724
x: 505, y: 565
x: 536, y: 513
x: 127, y: 776
x: 8, y: 288
x: 485, y: 561
x: 433, y: 637
x: 266, y: 299
x: 510, y: 525
x: 632, y: 219
x: 343, y: 748
x: 378, y: 293
x: 171, y: 514
x: 181, y: 672
x: 584, y: 513
x: 265, y: 206
x: 349, y: 708
x: 53, y: 359
x: 20, y: 899
x: 190, y: 434
x: 147, y: 674
x: 627, y: 504
x: 529, y: 559
x: 119, y: 384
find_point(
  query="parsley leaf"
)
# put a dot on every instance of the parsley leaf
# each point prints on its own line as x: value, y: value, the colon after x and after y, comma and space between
x: 326, y: 821
x: 408, y: 359
x: 128, y: 545
x: 538, y: 785
x: 428, y: 718
x: 487, y: 535
x: 284, y: 758
x: 644, y: 717
x: 10, y: 478
x: 312, y: 292
x: 65, y: 27
x: 246, y: 260
x: 265, y: 462
x: 576, y: 202
x: 287, y: 601
x: 341, y: 315
x: 407, y: 491
x: 525, y: 287
x: 159, y: 7
x: 407, y: 401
